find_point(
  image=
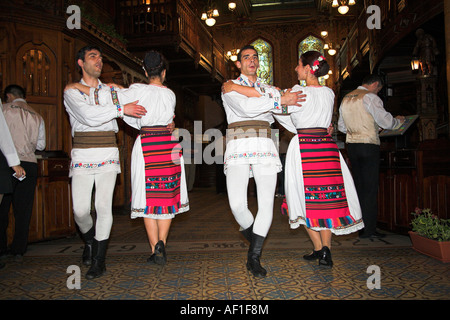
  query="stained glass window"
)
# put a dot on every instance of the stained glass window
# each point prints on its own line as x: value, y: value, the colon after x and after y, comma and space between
x: 264, y: 50
x: 311, y: 43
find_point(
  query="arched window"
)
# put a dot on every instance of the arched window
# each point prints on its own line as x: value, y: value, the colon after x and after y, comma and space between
x: 264, y: 50
x: 311, y: 43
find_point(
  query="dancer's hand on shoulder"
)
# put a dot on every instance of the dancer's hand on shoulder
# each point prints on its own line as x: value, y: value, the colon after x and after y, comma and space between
x: 73, y: 85
x: 227, y: 86
x: 293, y: 98
x: 133, y: 109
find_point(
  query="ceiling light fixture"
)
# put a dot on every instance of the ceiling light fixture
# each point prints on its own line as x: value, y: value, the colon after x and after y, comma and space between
x: 331, y: 50
x: 209, y: 14
x: 231, y: 5
x: 232, y: 54
x: 342, y: 5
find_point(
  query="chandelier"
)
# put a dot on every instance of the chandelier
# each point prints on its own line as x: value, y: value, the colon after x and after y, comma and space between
x: 342, y: 5
x: 209, y: 14
x: 331, y: 50
x: 232, y: 54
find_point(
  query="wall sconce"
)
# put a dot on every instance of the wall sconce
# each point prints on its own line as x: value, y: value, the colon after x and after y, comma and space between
x: 415, y: 64
x: 209, y: 14
x: 232, y: 54
x: 342, y: 5
x: 231, y: 5
x: 324, y: 33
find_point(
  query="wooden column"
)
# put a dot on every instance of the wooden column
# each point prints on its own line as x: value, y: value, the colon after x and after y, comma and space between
x: 447, y: 41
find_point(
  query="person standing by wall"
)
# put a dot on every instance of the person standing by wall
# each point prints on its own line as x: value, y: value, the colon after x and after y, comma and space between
x: 27, y: 129
x: 8, y: 160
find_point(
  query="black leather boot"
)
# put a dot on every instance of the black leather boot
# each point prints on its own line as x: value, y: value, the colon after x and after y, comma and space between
x: 98, y: 267
x: 247, y: 233
x: 88, y: 238
x: 313, y: 256
x: 325, y: 257
x: 159, y: 255
x: 254, y: 254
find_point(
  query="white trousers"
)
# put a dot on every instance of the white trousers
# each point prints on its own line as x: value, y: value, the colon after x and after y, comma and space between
x: 82, y: 186
x: 237, y: 184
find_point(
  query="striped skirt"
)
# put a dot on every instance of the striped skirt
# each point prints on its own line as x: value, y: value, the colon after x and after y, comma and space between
x: 162, y: 170
x: 326, y: 204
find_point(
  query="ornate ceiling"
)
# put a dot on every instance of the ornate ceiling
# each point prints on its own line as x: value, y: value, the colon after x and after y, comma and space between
x: 277, y: 11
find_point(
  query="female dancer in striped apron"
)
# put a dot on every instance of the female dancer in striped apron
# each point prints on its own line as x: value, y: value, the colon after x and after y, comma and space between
x: 320, y: 193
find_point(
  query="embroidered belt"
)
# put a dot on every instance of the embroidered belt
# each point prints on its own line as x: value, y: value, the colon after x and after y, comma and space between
x: 249, y: 129
x: 97, y: 139
x: 155, y: 130
x: 313, y: 131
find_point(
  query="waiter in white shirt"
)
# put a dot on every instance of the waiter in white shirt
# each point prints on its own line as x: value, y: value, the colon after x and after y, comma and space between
x: 250, y: 152
x: 8, y: 158
x: 360, y: 116
x: 27, y: 129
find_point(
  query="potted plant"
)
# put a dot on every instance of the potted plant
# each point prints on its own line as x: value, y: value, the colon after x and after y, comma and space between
x: 430, y: 235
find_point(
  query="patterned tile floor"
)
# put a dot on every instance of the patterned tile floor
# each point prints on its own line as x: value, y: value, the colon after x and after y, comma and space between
x: 206, y: 261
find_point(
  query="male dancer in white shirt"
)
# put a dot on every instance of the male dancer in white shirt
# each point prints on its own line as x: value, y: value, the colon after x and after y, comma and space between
x: 254, y: 155
x: 95, y: 159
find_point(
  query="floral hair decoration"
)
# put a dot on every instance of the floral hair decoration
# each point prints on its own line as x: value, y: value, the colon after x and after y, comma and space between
x: 316, y: 64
